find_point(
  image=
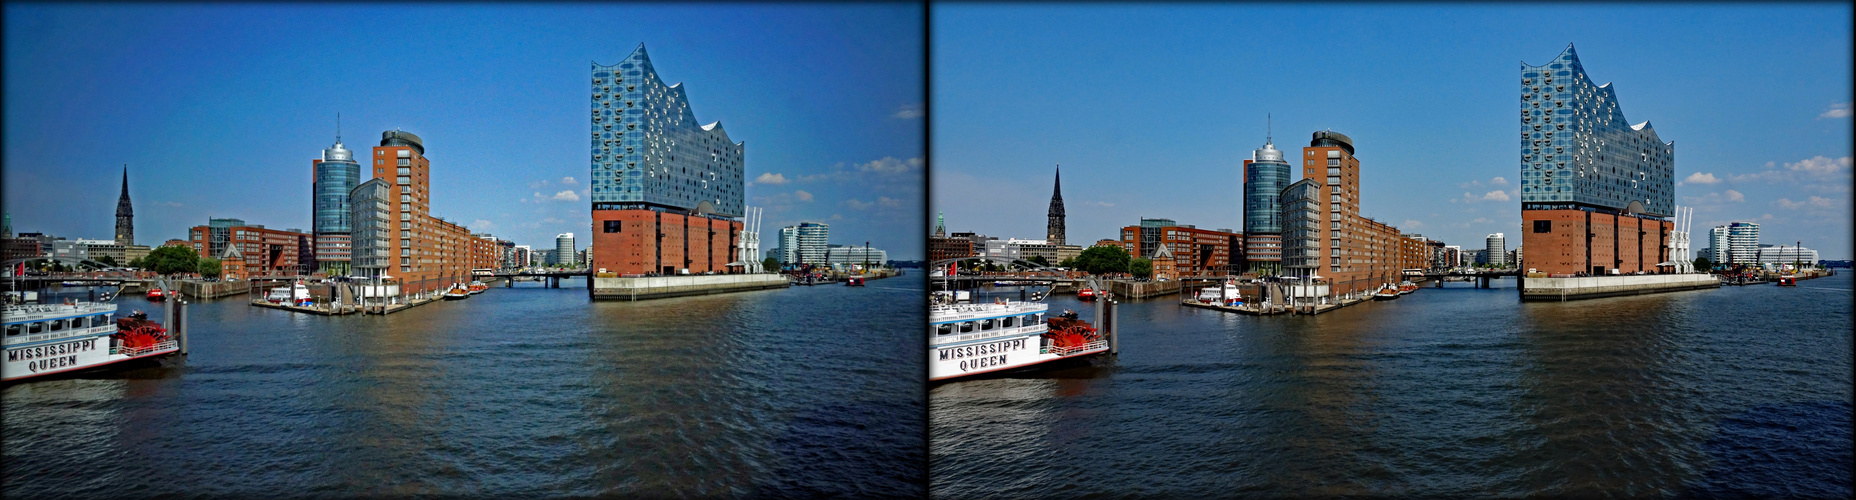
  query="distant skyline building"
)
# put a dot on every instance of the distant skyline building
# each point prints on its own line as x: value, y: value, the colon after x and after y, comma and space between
x: 1776, y: 254
x: 334, y: 175
x: 665, y: 190
x: 1265, y: 176
x: 1743, y: 242
x: 1594, y: 188
x: 564, y: 248
x: 1053, y: 227
x: 1497, y: 249
x: 1717, y: 245
x: 125, y: 214
x: 789, y: 245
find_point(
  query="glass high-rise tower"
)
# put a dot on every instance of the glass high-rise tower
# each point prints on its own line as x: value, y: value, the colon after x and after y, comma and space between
x: 335, y: 174
x: 1265, y: 176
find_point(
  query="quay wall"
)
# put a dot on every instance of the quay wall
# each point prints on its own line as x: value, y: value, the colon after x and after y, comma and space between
x: 677, y: 286
x: 1592, y: 287
x: 214, y: 290
x: 1142, y: 290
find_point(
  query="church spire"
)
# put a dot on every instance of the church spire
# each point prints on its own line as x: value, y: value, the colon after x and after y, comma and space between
x: 125, y: 214
x: 1054, y: 225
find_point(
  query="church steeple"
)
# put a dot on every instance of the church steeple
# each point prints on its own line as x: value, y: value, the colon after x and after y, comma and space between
x: 125, y: 214
x: 1054, y: 227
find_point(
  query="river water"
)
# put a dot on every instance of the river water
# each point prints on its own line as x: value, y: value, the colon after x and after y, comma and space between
x: 801, y: 392
x: 1445, y: 392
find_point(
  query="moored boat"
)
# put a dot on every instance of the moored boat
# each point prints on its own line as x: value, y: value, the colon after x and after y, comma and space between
x: 155, y: 294
x: 477, y: 287
x: 969, y: 339
x: 295, y: 293
x: 1788, y: 280
x: 854, y: 281
x: 1406, y: 287
x: 1086, y: 294
x: 1387, y: 292
x: 457, y: 293
x: 46, y: 339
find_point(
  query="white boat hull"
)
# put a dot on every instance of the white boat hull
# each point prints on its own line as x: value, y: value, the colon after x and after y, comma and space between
x: 978, y: 341
x: 29, y: 354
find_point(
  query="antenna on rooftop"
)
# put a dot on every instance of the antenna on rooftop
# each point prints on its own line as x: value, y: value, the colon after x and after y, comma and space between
x: 1268, y: 128
x: 338, y: 127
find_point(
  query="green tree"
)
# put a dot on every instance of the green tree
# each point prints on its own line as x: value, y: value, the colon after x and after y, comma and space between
x: 1103, y: 260
x: 1141, y: 268
x: 171, y: 260
x: 770, y: 264
x: 1040, y: 260
x: 1703, y: 264
x: 209, y: 268
x: 1069, y: 263
x: 106, y: 260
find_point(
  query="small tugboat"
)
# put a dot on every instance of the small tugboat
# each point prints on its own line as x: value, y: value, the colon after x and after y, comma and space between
x: 457, y: 292
x: 1086, y: 294
x: 477, y: 287
x: 854, y: 281
x: 295, y: 293
x: 1406, y: 287
x: 46, y: 339
x: 1387, y: 292
x: 1788, y: 280
x: 155, y: 294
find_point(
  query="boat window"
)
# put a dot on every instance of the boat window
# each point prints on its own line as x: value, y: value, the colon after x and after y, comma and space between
x: 944, y: 329
x: 1008, y: 322
x: 12, y: 330
x: 37, y: 327
x: 1037, y: 318
x: 966, y: 327
x: 99, y: 320
x: 986, y: 325
x: 57, y: 325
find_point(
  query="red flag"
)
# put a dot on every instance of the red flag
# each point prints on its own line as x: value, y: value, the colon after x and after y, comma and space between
x: 953, y: 269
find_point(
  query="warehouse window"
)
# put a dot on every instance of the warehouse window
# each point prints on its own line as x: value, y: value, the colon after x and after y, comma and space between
x: 1543, y: 226
x: 612, y: 226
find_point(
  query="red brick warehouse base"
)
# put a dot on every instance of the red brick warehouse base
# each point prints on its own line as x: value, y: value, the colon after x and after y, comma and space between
x: 648, y: 241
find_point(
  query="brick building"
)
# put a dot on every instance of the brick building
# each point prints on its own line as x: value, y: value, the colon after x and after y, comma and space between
x: 251, y: 250
x: 943, y: 248
x: 1196, y: 252
x: 422, y: 251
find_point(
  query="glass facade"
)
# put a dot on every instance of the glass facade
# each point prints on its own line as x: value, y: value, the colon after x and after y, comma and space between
x: 371, y: 222
x: 1300, y: 213
x: 336, y: 174
x: 649, y: 152
x: 1264, y: 178
x: 1578, y: 150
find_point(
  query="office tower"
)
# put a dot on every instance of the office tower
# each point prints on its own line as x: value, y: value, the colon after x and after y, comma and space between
x: 789, y: 245
x: 1717, y: 245
x: 432, y: 253
x: 1265, y: 176
x: 125, y: 215
x: 812, y: 238
x: 1053, y: 225
x: 1301, y: 211
x: 666, y: 191
x: 1743, y: 242
x: 371, y: 228
x: 564, y: 248
x: 1498, y: 249
x: 334, y: 176
x: 1594, y: 188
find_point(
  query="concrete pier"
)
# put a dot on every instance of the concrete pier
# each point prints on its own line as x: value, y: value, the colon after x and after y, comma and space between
x: 678, y: 286
x: 1142, y: 289
x: 1592, y: 287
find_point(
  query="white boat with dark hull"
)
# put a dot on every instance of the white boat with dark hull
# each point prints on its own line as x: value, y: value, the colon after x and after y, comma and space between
x: 973, y: 338
x: 47, y: 339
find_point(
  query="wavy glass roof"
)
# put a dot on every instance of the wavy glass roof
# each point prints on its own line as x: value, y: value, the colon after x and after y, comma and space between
x: 1577, y: 148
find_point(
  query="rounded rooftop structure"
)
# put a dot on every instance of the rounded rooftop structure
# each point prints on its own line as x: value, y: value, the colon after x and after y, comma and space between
x: 337, y: 153
x: 401, y: 138
x: 1329, y: 139
x: 1268, y: 153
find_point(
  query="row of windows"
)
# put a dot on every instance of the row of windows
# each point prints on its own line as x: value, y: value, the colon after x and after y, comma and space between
x: 58, y: 325
x: 989, y: 324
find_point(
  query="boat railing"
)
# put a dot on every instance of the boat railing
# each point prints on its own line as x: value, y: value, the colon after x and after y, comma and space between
x: 1066, y: 351
x: 138, y: 351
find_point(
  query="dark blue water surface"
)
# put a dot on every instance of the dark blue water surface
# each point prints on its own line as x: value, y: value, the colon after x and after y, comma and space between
x: 1446, y: 392
x: 801, y: 392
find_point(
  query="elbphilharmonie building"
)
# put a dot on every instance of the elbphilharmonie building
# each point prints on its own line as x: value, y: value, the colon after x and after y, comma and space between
x: 1594, y: 187
x: 666, y: 191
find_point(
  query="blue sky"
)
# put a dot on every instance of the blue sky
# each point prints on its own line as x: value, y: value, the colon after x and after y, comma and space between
x: 1151, y: 110
x: 219, y: 108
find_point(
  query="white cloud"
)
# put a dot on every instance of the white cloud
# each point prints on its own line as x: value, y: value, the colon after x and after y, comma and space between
x: 1810, y: 170
x: 1477, y: 184
x: 482, y: 225
x: 1728, y: 196
x: 1837, y: 110
x: 1498, y: 181
x: 1089, y: 203
x: 771, y: 179
x: 855, y: 204
x: 1496, y: 195
x: 565, y: 196
x: 1412, y: 224
x: 908, y: 112
x: 802, y: 195
x: 889, y: 164
x: 1812, y: 202
x: 887, y: 202
x: 538, y: 184
x: 1701, y: 178
x: 552, y: 220
x: 836, y: 217
x: 567, y: 180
